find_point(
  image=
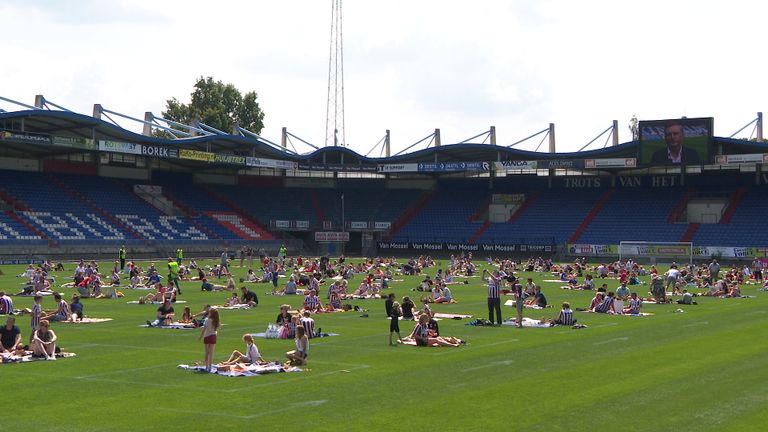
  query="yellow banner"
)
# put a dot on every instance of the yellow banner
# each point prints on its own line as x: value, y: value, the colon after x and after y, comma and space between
x: 197, y: 155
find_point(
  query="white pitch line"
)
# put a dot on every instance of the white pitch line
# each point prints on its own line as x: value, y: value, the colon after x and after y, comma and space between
x: 492, y: 364
x: 697, y: 324
x: 121, y: 371
x: 611, y: 340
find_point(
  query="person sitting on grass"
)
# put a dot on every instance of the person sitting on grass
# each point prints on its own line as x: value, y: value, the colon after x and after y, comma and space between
x: 252, y: 355
x: 233, y: 300
x: 687, y: 298
x: 249, y: 297
x: 622, y: 292
x: 445, y: 295
x: 62, y: 313
x: 733, y: 292
x: 298, y: 356
x: 606, y: 306
x: 420, y: 334
x: 635, y: 303
x: 538, y: 299
x: 658, y: 291
x: 312, y: 302
x: 76, y: 307
x: 44, y: 341
x: 309, y: 324
x: 165, y: 314
x: 564, y: 318
x: 186, y: 316
x: 408, y: 307
x: 10, y: 335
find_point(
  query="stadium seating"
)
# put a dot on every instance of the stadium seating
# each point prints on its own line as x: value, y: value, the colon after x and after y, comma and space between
x: 66, y: 208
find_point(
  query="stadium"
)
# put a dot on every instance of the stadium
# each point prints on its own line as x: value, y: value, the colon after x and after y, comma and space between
x: 78, y: 187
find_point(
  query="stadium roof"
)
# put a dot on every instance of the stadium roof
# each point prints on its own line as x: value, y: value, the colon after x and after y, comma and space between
x: 69, y: 124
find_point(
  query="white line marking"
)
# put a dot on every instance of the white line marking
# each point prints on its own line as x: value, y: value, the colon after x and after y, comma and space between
x: 697, y: 324
x: 492, y: 364
x: 611, y: 340
x: 121, y: 371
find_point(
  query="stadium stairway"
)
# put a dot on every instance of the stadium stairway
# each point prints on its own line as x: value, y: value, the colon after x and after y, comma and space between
x: 318, y: 208
x: 481, y: 211
x: 31, y: 228
x: 480, y: 231
x: 233, y: 222
x: 79, y: 197
x: 681, y: 206
x: 690, y: 232
x: 733, y: 205
x: 409, y: 214
x: 591, y: 215
x: 529, y: 199
x: 251, y: 221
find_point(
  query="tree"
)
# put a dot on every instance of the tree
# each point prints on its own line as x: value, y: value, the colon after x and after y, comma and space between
x: 218, y: 105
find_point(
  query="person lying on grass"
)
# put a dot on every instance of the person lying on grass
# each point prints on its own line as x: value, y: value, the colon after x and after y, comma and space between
x: 251, y: 356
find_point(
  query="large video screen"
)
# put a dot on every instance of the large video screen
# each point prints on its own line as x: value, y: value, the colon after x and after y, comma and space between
x: 685, y: 141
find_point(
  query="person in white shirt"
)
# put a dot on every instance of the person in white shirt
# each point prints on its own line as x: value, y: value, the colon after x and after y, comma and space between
x: 251, y: 356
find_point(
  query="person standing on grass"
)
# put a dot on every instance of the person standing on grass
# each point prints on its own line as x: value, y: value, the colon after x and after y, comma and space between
x: 208, y: 334
x: 494, y: 300
x: 121, y: 257
x: 34, y: 318
x: 179, y: 256
x: 517, y: 290
x: 224, y: 261
x: 173, y: 274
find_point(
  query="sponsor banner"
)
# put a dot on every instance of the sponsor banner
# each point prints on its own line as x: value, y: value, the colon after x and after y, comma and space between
x: 406, y: 167
x: 560, y: 163
x: 724, y: 251
x: 230, y: 159
x: 357, y: 225
x: 382, y: 225
x: 515, y: 165
x: 507, y: 198
x: 119, y: 147
x: 282, y: 224
x: 25, y: 137
x: 611, y: 163
x: 463, y: 247
x: 270, y: 163
x: 331, y: 236
x: 453, y: 166
x: 20, y: 261
x: 302, y: 224
x: 74, y: 142
x: 593, y: 249
x: 196, y: 155
x: 154, y: 151
x: 741, y: 159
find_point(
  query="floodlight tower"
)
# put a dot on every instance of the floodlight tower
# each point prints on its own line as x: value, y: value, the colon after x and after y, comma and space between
x: 334, y: 112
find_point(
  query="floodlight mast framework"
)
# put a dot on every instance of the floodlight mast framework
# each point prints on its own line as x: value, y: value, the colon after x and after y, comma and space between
x: 334, y: 111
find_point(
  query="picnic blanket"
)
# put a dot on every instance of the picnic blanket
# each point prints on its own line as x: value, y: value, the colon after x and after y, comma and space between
x: 144, y: 288
x: 641, y: 314
x: 9, y: 358
x: 174, y: 325
x: 233, y: 307
x: 264, y: 335
x: 86, y: 320
x: 451, y: 315
x: 412, y: 342
x: 244, y: 370
x: 527, y: 322
x: 42, y: 293
x: 512, y: 303
x: 157, y: 302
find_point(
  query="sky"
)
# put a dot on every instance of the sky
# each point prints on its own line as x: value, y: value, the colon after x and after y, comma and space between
x: 409, y: 66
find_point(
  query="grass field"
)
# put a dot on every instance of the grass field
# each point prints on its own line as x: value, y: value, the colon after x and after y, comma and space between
x: 701, y: 370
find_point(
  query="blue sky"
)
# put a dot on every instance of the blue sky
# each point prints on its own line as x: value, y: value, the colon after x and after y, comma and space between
x: 410, y: 66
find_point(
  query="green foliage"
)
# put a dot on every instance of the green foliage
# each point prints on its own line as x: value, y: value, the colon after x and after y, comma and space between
x: 218, y: 105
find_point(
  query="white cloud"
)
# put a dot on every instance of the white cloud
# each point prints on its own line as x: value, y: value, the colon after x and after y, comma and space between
x: 410, y: 66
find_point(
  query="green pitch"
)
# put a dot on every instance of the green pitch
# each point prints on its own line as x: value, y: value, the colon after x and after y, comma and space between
x: 701, y: 370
